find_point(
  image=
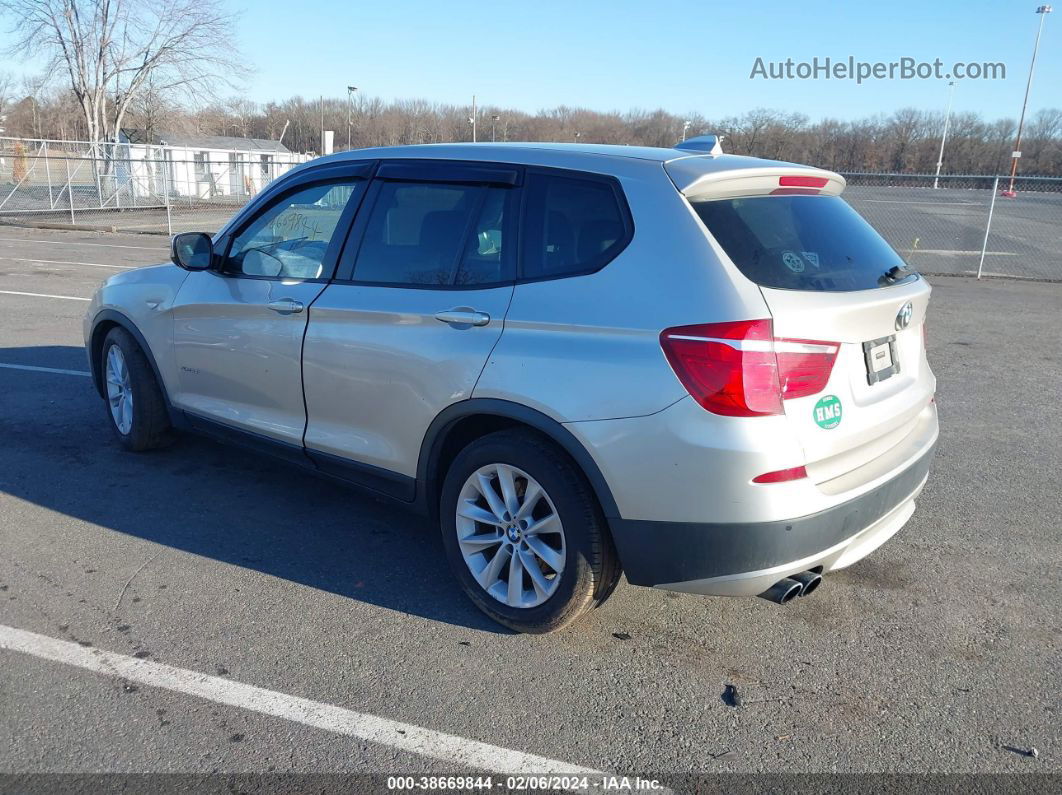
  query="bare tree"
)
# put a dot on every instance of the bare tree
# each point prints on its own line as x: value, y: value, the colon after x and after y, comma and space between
x: 151, y: 113
x: 6, y: 82
x: 109, y: 49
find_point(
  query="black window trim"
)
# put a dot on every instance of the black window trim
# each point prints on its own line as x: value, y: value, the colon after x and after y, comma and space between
x: 347, y: 264
x: 337, y: 243
x: 434, y: 171
x: 605, y: 257
x: 466, y: 172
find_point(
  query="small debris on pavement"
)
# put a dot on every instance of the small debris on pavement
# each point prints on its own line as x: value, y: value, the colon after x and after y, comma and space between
x: 727, y: 754
x: 1030, y: 752
x: 731, y: 696
x: 621, y: 636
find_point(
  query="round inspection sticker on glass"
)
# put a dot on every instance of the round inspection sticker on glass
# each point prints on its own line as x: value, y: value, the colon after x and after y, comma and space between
x: 827, y: 412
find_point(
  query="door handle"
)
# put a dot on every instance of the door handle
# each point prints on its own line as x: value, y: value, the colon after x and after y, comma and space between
x: 463, y: 316
x: 286, y: 306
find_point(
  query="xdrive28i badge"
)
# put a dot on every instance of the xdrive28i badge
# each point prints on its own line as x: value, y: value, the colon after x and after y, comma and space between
x: 903, y: 317
x: 827, y: 412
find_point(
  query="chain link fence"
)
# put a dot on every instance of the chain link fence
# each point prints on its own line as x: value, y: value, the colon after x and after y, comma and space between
x: 130, y: 187
x: 941, y: 225
x: 962, y: 225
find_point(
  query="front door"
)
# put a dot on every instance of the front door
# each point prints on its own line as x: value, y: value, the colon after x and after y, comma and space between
x: 238, y: 328
x: 408, y: 327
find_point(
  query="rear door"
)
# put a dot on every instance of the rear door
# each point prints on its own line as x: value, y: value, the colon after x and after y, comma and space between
x: 835, y: 289
x: 408, y: 325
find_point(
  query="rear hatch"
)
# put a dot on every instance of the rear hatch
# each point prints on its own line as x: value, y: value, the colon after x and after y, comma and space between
x: 836, y: 291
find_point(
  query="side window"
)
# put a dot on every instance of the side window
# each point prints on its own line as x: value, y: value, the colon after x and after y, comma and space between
x: 436, y: 234
x: 289, y: 239
x: 573, y: 226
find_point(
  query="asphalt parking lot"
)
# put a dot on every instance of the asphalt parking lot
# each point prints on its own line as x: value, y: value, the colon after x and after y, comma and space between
x: 940, y: 653
x: 942, y: 231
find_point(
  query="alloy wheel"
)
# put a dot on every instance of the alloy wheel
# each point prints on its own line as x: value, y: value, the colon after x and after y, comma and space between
x: 510, y: 535
x: 119, y: 390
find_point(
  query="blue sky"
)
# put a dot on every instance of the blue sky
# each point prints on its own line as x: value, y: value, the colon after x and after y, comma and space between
x: 680, y: 56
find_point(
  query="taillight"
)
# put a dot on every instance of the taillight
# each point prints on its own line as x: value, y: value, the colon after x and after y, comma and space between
x: 804, y: 366
x: 739, y: 369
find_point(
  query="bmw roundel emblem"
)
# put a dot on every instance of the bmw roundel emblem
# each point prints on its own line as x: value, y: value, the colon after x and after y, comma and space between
x: 903, y: 317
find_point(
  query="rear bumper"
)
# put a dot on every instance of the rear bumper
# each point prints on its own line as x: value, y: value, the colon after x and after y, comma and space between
x: 744, y: 559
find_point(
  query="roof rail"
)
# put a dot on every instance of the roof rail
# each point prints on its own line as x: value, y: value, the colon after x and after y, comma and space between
x: 709, y: 144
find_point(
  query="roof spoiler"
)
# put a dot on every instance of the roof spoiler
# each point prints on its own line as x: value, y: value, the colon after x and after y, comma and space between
x: 709, y: 144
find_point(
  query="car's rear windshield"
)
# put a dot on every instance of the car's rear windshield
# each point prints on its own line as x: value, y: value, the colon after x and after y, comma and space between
x: 802, y: 243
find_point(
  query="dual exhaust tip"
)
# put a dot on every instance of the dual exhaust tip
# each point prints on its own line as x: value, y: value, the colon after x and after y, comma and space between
x: 788, y: 589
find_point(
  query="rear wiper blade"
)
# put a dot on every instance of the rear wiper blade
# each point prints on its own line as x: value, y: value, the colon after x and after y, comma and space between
x: 895, y: 273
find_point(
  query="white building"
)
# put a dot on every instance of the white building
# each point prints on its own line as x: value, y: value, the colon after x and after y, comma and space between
x: 198, y: 166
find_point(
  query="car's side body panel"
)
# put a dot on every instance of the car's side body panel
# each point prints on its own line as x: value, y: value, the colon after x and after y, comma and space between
x: 144, y: 297
x: 239, y: 362
x: 565, y: 340
x: 378, y: 367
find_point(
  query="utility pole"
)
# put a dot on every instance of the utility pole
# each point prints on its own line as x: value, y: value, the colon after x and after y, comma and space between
x: 1009, y: 193
x: 321, y: 103
x: 350, y: 108
x: 472, y: 118
x: 944, y: 137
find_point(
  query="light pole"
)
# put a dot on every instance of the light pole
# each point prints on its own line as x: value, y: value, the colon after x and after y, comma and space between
x: 944, y: 137
x: 1043, y: 11
x: 685, y: 129
x: 578, y: 135
x: 493, y: 120
x: 350, y: 108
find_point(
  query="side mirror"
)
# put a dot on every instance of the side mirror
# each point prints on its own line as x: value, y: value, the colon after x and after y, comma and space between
x: 193, y: 251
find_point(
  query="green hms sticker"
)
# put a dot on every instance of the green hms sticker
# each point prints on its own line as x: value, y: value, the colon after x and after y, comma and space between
x: 828, y: 412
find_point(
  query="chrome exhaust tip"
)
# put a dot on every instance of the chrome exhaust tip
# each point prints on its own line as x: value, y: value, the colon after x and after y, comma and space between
x: 783, y: 591
x: 808, y: 580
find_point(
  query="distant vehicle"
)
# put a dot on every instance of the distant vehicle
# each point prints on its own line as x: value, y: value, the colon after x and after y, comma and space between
x: 704, y: 371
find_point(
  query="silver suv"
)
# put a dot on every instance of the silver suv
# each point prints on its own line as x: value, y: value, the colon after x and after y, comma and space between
x: 704, y: 371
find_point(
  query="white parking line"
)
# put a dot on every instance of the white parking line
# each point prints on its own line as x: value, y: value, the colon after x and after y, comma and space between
x: 1002, y: 275
x: 402, y: 736
x: 57, y: 370
x: 949, y: 252
x: 67, y: 262
x: 77, y: 243
x: 45, y: 295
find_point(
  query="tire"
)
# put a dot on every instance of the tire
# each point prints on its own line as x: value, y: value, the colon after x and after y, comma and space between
x: 582, y: 550
x: 145, y: 423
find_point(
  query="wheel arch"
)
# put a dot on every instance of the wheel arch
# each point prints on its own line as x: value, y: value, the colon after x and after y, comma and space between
x: 461, y: 423
x: 106, y: 320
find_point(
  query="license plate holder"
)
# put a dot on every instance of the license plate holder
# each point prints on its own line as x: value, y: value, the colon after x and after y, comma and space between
x: 880, y: 357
